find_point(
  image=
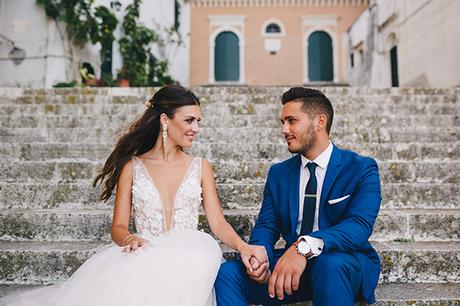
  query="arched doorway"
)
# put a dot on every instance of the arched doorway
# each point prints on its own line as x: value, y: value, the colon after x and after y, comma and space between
x: 227, y: 57
x: 320, y: 57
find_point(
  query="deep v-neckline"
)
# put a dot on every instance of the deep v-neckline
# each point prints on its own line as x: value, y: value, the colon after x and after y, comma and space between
x: 155, y: 187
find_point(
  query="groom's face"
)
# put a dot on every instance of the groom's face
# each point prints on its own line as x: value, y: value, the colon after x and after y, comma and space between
x: 298, y: 128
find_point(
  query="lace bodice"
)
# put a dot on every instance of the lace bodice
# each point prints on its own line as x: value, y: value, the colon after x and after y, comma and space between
x: 149, y: 216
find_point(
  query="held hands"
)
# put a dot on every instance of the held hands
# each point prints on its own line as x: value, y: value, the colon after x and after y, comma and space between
x: 132, y: 242
x: 255, y: 259
x: 259, y: 272
x: 287, y: 273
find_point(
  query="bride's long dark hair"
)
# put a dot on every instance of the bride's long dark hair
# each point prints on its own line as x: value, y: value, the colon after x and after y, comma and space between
x: 142, y: 134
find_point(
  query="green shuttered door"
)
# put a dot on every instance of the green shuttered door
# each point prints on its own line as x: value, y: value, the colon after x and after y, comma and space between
x: 394, y: 67
x: 320, y: 64
x: 227, y: 57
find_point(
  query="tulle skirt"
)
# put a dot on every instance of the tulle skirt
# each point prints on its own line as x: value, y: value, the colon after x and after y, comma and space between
x: 177, y: 268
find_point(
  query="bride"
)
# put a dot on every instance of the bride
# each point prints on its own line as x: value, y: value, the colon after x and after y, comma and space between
x: 167, y: 261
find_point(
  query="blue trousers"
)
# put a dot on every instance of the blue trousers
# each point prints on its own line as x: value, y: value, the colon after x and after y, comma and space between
x: 330, y: 279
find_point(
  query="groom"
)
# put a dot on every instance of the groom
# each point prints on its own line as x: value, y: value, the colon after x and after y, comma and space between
x: 323, y: 201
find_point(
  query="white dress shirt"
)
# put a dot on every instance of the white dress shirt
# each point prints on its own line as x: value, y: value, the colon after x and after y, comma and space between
x: 322, y: 161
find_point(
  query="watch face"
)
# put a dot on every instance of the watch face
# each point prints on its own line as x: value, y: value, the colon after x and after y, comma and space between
x: 303, y: 247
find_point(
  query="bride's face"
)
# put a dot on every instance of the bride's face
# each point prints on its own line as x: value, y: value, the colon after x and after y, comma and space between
x: 184, y: 126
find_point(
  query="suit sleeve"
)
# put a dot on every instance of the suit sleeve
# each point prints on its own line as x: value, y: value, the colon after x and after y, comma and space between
x: 266, y: 231
x: 356, y: 227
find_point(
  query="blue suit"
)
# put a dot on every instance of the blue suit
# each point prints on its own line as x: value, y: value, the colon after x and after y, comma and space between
x: 348, y: 266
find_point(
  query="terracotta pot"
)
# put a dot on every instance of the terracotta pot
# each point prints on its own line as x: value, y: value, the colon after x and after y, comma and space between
x: 90, y: 82
x: 123, y: 82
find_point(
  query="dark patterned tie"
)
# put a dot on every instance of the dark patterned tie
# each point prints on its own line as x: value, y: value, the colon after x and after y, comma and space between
x: 309, y: 202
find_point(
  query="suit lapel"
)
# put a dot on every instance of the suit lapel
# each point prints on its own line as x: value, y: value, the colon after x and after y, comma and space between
x: 331, y: 174
x: 293, y: 187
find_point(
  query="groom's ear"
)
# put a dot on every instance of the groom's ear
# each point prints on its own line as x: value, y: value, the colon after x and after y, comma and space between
x: 320, y: 122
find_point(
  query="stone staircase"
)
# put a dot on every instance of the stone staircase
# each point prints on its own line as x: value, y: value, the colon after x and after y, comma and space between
x: 52, y: 142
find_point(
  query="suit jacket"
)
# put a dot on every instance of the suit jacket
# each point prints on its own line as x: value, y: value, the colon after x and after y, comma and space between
x: 344, y: 226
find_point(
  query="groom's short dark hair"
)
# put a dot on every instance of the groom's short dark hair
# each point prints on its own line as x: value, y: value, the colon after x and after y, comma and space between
x: 314, y: 102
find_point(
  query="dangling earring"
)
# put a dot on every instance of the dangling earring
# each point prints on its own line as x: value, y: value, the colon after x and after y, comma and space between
x: 165, y: 132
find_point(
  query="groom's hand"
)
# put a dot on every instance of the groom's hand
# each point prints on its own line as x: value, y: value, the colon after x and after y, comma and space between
x: 260, y: 272
x: 248, y: 251
x: 286, y: 275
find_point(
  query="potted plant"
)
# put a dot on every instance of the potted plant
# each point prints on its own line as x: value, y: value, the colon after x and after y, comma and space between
x: 122, y: 79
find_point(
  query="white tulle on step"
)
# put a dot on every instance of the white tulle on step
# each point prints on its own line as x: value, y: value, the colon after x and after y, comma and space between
x: 177, y: 268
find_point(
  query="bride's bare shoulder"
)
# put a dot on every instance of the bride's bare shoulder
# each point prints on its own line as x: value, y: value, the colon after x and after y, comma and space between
x: 207, y: 170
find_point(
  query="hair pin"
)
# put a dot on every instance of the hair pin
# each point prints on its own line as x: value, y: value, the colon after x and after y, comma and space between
x: 149, y: 104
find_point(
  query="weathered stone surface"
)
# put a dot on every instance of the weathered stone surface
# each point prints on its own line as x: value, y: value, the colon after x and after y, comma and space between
x: 419, y: 261
x: 420, y: 195
x: 417, y: 225
x: 243, y: 135
x: 242, y: 223
x: 53, y: 141
x: 398, y: 294
x: 94, y: 224
x: 41, y: 263
x: 64, y: 151
x: 46, y: 262
x: 227, y: 171
x: 46, y: 171
x: 33, y: 195
x: 403, y: 294
x: 55, y: 225
x: 435, y: 226
x: 341, y: 122
x: 395, y: 94
x: 46, y: 195
x: 391, y: 225
x: 57, y: 152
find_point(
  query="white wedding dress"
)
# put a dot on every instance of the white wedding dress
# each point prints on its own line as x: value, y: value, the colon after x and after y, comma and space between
x: 176, y: 267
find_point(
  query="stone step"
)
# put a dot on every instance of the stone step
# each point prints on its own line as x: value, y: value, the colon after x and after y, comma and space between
x: 233, y: 196
x: 226, y: 106
x: 118, y: 120
x: 226, y: 171
x: 48, y: 262
x: 80, y: 225
x: 218, y: 94
x: 402, y: 294
x: 410, y: 151
x: 214, y: 91
x: 392, y: 294
x: 66, y: 151
x: 226, y: 95
x: 243, y: 135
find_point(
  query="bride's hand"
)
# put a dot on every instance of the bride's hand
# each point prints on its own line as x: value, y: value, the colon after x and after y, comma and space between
x: 256, y: 251
x: 133, y: 243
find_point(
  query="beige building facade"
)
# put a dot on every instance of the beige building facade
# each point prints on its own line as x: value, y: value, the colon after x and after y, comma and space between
x: 272, y: 42
x: 405, y: 44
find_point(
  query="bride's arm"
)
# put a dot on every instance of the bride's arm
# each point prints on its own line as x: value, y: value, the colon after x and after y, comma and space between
x: 217, y: 222
x: 122, y: 211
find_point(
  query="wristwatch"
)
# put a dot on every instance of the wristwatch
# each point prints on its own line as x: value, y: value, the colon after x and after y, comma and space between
x: 303, y: 248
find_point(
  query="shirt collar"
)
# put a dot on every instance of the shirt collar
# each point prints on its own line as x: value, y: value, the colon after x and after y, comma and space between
x: 322, y: 160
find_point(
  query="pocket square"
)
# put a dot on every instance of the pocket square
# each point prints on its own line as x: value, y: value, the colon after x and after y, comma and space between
x: 335, y: 201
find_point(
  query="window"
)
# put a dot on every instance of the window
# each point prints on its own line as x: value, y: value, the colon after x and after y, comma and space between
x: 272, y: 28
